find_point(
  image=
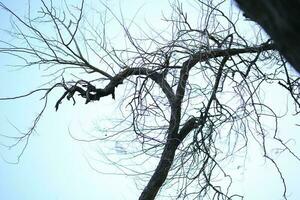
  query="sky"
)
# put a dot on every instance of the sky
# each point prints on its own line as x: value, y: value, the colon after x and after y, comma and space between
x: 54, y: 166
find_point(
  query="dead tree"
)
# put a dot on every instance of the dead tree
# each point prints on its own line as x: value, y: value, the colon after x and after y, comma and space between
x: 193, y: 89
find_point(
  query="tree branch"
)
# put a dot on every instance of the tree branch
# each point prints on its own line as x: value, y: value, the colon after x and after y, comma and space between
x: 91, y: 93
x: 201, y: 56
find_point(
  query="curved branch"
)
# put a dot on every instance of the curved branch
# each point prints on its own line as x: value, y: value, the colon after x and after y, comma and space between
x: 201, y: 56
x: 188, y: 126
x: 91, y: 93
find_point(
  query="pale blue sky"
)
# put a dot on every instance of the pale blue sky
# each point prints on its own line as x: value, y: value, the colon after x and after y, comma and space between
x: 55, y: 167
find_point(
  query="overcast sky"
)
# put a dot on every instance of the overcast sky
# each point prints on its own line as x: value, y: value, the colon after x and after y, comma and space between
x: 56, y: 167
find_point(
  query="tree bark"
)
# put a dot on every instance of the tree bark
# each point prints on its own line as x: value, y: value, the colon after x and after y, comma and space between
x: 161, y: 171
x: 280, y: 19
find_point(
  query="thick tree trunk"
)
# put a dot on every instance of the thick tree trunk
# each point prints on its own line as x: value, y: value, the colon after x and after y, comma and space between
x: 161, y: 171
x: 280, y: 19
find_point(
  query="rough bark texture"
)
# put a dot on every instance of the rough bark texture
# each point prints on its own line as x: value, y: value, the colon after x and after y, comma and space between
x: 280, y: 19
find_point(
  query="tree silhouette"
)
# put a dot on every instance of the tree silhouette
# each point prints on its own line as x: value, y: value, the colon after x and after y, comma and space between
x: 191, y: 94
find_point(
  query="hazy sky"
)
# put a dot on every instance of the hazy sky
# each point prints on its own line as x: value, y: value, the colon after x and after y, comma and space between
x: 55, y: 167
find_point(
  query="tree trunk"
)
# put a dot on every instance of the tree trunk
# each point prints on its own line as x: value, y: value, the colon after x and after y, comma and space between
x: 161, y: 171
x: 280, y: 19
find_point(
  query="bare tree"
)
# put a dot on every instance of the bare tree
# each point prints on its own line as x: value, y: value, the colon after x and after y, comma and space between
x: 193, y: 89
